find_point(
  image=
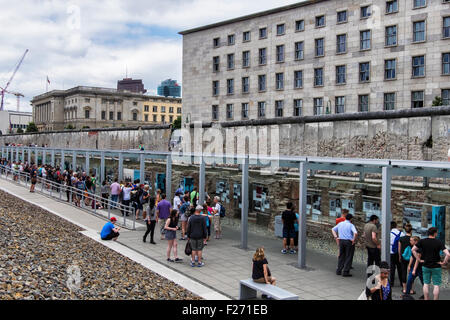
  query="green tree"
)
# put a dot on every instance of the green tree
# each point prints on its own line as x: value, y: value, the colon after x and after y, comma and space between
x: 20, y: 130
x: 69, y: 127
x: 31, y: 128
x: 437, y: 102
x: 176, y: 124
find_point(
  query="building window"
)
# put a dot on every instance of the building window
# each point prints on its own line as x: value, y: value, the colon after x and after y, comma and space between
x: 245, y: 111
x: 146, y: 108
x: 299, y: 25
x: 262, y: 56
x: 299, y: 50
x: 340, y: 104
x: 230, y: 61
x: 179, y: 110
x: 262, y: 86
x: 391, y: 36
x: 119, y: 116
x: 230, y: 86
x: 135, y: 115
x: 170, y: 109
x: 341, y: 74
x: 318, y: 107
x: 446, y: 63
x: 389, y: 101
x: 261, y: 109
x: 103, y: 115
x: 246, y: 59
x: 146, y: 118
x: 163, y: 109
x: 229, y: 111
x: 280, y: 53
x: 363, y: 103
x: 279, y: 79
x: 417, y: 99
x: 365, y: 40
x: 246, y: 36
x: 342, y: 16
x: 445, y: 97
x: 298, y: 107
x: 111, y: 115
x: 170, y: 119
x: 155, y: 108
x: 419, y: 31
x: 318, y: 77
x: 298, y: 79
x: 280, y: 29
x: 86, y: 114
x: 245, y: 85
x: 364, y: 72
x: 279, y: 108
x: 216, y: 42
x: 419, y: 4
x: 155, y: 118
x: 390, y: 69
x: 341, y: 43
x: 87, y: 100
x: 263, y: 33
x: 216, y: 64
x: 320, y: 21
x: 163, y: 119
x: 215, y: 88
x: 418, y: 66
x: 366, y: 12
x: 215, y: 112
x: 135, y: 103
x: 391, y: 6
x: 446, y: 28
x: 320, y: 47
x: 231, y: 39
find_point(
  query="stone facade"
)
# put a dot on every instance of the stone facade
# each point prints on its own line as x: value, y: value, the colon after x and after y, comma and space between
x: 199, y: 50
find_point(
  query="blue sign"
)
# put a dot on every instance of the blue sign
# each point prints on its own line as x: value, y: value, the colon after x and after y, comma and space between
x: 438, y: 221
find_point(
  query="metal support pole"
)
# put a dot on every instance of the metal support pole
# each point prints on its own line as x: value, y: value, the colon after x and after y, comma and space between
x: 17, y: 154
x: 29, y: 155
x: 23, y: 155
x: 62, y: 165
x: 53, y: 158
x: 36, y: 155
x: 244, y: 204
x: 44, y: 155
x: 201, y: 182
x: 386, y: 215
x: 120, y: 167
x: 303, y: 190
x: 87, y: 164
x: 142, y: 168
x: 74, y: 161
x: 426, y: 182
x: 102, y: 167
x: 169, y: 178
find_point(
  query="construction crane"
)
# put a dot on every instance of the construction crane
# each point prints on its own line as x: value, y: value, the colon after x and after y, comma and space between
x: 5, y: 88
x: 18, y: 95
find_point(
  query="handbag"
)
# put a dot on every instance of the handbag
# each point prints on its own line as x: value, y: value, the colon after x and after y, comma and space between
x: 188, y: 249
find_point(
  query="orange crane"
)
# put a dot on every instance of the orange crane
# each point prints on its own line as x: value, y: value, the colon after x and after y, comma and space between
x: 5, y: 88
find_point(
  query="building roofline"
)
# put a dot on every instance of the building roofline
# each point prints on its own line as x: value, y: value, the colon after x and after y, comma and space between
x: 97, y: 91
x: 252, y: 16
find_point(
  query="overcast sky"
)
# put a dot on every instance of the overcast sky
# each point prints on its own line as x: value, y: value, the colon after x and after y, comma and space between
x: 92, y: 43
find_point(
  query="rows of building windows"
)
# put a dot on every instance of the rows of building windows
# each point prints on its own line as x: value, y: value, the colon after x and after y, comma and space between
x: 364, y: 75
x: 389, y: 103
x: 163, y: 109
x: 17, y: 126
x: 365, y: 13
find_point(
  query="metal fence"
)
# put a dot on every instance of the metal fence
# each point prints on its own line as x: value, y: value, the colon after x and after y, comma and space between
x: 75, y: 197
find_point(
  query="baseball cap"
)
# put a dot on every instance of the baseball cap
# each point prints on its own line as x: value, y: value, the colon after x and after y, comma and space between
x: 113, y: 219
x: 199, y: 208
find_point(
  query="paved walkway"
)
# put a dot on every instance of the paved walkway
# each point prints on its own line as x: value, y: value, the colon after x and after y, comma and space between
x: 226, y: 263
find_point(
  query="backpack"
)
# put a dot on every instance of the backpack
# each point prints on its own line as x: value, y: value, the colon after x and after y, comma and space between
x: 222, y: 211
x: 184, y: 207
x: 407, y: 253
x: 395, y: 244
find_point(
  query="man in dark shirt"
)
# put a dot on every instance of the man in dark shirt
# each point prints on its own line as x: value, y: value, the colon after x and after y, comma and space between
x: 197, y: 234
x: 429, y: 255
x: 288, y: 218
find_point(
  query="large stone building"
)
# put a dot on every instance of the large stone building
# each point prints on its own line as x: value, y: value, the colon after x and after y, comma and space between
x: 90, y: 107
x: 318, y: 57
x: 161, y: 110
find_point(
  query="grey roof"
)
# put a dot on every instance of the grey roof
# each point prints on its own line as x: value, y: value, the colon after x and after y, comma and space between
x: 254, y: 15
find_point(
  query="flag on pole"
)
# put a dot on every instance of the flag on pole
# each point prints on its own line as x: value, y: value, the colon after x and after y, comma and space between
x: 48, y: 80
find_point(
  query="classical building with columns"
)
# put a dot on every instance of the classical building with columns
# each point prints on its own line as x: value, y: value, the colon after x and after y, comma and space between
x: 91, y: 107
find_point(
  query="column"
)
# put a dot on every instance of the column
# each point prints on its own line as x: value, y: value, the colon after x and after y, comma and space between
x: 303, y: 189
x: 74, y: 161
x: 120, y: 166
x: 17, y: 154
x: 53, y: 158
x: 29, y: 155
x: 244, y: 204
x: 386, y: 215
x: 102, y: 167
x: 44, y: 155
x: 23, y: 154
x: 87, y: 164
x: 142, y: 168
x: 36, y: 155
x: 169, y: 178
x: 201, y: 182
x: 62, y: 165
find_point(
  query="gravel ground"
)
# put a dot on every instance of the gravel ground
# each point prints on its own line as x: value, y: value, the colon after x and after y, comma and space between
x: 37, y: 249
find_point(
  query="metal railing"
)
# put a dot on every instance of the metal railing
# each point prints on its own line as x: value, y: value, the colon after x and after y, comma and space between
x: 75, y: 197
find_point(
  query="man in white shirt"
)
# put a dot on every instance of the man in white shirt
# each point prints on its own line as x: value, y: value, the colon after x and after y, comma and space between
x: 177, y: 201
x: 216, y: 218
x: 395, y: 261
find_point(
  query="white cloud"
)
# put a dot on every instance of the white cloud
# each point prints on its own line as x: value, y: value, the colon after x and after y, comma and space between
x: 92, y: 42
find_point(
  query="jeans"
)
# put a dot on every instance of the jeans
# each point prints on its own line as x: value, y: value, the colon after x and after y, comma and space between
x: 115, y: 198
x: 411, y: 279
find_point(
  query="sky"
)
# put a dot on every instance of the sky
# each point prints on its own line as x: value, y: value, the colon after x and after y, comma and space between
x: 94, y: 43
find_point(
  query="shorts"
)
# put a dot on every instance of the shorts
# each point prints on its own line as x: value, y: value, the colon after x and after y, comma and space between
x: 432, y: 274
x: 262, y: 280
x: 171, y: 234
x: 183, y: 218
x: 197, y: 244
x: 288, y: 233
x: 217, y: 226
x: 111, y: 236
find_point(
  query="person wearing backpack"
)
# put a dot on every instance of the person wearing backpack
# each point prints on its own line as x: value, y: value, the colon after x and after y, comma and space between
x: 194, y: 197
x: 403, y: 245
x: 396, y: 234
x: 219, y: 211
